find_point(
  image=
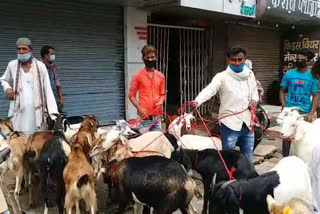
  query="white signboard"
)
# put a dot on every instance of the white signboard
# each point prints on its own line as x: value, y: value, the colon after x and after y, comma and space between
x: 245, y: 8
x: 211, y: 5
x: 240, y: 7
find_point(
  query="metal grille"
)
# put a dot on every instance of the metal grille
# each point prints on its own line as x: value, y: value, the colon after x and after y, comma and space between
x: 193, y: 56
x: 159, y: 38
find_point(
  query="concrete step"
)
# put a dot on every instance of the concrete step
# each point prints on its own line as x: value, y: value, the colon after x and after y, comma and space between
x: 265, y: 151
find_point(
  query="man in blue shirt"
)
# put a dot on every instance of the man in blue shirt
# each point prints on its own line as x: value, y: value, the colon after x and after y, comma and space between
x: 297, y: 86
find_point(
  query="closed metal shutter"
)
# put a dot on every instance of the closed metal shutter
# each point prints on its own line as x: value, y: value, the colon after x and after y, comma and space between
x: 89, y: 44
x: 264, y: 49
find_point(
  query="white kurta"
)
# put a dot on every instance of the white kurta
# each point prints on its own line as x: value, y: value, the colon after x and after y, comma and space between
x: 25, y: 121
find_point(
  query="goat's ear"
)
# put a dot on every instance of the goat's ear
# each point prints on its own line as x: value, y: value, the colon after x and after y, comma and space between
x: 270, y: 202
x: 124, y: 140
x: 286, y: 210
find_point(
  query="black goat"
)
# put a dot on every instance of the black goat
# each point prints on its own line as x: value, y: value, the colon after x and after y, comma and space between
x: 207, y: 163
x: 156, y: 181
x: 226, y: 197
x: 52, y: 160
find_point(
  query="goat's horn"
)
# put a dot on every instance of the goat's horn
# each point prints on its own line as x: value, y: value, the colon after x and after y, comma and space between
x: 214, y: 179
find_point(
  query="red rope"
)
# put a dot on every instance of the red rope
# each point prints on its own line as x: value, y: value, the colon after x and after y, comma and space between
x: 230, y: 174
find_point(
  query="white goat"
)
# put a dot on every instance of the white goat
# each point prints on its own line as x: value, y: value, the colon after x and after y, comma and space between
x: 295, y: 181
x: 150, y: 141
x: 191, y: 141
x: 305, y: 134
x: 176, y: 125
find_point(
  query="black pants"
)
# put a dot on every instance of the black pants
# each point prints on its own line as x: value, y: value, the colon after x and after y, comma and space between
x: 286, y: 148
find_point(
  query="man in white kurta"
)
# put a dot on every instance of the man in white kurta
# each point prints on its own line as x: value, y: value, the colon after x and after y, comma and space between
x: 27, y: 85
x: 238, y: 91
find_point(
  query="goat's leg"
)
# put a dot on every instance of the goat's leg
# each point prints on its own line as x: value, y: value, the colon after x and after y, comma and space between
x: 44, y: 188
x: 30, y: 189
x: 68, y: 204
x: 206, y: 186
x: 5, y: 168
x: 91, y: 202
x: 138, y: 208
x: 60, y: 196
x: 122, y: 207
x: 45, y: 209
x: 77, y: 207
x: 19, y: 177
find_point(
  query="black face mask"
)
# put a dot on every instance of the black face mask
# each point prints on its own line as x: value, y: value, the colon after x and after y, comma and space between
x: 301, y: 64
x: 150, y: 64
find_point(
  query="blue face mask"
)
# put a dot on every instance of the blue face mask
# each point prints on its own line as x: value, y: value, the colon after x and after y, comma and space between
x: 237, y: 68
x: 24, y: 57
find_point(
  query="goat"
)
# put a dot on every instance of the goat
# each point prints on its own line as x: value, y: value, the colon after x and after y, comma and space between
x: 150, y: 141
x: 154, y: 181
x: 294, y: 206
x: 52, y: 160
x: 305, y: 134
x: 287, y: 180
x: 17, y: 145
x: 207, y: 162
x: 120, y: 151
x: 180, y: 128
x: 79, y: 181
x: 181, y: 125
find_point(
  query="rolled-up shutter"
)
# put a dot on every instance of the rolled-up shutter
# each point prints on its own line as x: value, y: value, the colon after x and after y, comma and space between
x: 89, y: 44
x: 264, y: 49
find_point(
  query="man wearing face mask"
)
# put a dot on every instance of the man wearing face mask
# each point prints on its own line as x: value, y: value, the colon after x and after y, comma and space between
x: 238, y: 93
x: 27, y: 85
x: 48, y: 58
x: 150, y: 84
x: 297, y: 86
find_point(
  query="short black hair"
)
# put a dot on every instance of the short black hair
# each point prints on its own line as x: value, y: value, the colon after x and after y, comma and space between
x: 235, y: 50
x: 306, y: 52
x: 45, y: 50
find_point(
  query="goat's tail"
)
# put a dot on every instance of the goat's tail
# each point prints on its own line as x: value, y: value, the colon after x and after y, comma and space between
x: 84, y: 179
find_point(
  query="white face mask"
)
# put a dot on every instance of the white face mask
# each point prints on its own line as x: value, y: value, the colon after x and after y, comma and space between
x: 52, y: 58
x: 24, y: 57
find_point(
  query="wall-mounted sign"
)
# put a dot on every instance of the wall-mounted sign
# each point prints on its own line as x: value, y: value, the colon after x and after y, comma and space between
x: 245, y: 8
x: 290, y: 11
x: 240, y: 7
x: 291, y: 47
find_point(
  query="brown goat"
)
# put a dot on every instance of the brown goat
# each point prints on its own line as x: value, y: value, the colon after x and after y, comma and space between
x: 79, y: 181
x: 17, y: 145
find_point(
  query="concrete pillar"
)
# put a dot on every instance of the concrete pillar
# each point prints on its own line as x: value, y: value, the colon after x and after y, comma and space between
x: 135, y: 26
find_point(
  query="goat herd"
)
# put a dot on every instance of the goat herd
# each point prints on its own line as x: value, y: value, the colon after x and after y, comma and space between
x: 154, y: 169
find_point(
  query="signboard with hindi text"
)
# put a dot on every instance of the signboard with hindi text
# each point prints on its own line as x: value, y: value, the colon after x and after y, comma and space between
x: 290, y: 11
x: 290, y: 48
